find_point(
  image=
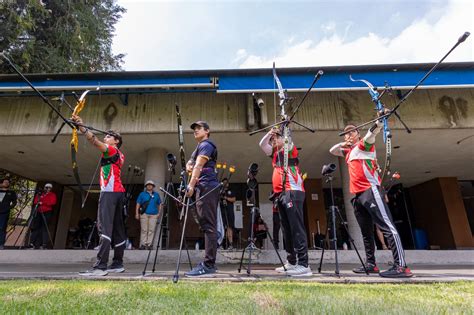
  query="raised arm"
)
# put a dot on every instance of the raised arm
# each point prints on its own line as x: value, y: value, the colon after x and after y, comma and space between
x: 89, y: 135
x: 265, y: 144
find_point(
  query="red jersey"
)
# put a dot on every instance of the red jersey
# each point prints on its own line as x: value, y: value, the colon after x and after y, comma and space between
x: 48, y: 200
x: 363, y: 168
x: 110, y: 174
x: 294, y: 180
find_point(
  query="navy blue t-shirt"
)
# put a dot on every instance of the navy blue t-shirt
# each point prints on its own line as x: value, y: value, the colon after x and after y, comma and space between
x: 208, y: 173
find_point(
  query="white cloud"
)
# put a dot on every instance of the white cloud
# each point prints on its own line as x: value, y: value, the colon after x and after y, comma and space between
x: 329, y: 27
x: 422, y: 41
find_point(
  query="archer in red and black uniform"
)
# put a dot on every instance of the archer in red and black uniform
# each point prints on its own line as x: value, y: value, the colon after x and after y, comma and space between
x: 369, y: 203
x: 204, y: 181
x: 44, y: 202
x: 290, y: 195
x: 110, y: 215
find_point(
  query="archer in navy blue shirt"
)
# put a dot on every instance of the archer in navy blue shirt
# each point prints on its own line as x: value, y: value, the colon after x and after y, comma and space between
x: 208, y: 174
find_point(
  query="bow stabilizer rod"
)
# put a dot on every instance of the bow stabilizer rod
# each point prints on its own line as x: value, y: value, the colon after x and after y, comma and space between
x: 290, y: 119
x: 404, y: 98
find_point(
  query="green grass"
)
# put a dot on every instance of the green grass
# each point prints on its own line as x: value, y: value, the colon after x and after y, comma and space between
x: 105, y: 297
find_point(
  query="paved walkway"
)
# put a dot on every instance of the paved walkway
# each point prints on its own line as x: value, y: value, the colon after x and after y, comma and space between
x: 423, y: 273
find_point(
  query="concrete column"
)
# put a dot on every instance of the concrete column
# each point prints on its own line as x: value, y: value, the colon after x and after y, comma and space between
x: 65, y: 212
x: 156, y: 167
x: 156, y: 170
x: 354, y: 229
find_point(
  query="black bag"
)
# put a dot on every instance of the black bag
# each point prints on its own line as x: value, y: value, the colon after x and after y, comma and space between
x: 143, y: 206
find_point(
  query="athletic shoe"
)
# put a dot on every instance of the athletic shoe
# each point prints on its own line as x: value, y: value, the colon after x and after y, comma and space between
x: 201, y: 270
x: 371, y: 268
x: 397, y: 272
x: 93, y: 273
x: 230, y: 248
x: 115, y: 269
x: 288, y: 266
x: 300, y: 271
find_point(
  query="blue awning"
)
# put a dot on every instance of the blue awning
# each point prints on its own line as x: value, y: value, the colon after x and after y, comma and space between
x: 400, y: 79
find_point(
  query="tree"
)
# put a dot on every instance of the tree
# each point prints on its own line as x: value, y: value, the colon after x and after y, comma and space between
x: 60, y: 35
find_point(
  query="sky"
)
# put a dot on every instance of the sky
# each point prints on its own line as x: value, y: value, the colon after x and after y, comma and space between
x: 191, y: 35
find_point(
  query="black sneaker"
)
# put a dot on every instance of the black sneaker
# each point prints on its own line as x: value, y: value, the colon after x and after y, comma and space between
x: 201, y: 270
x: 397, y: 272
x: 371, y: 268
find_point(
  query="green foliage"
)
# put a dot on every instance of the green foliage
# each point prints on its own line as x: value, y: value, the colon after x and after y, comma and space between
x: 24, y: 189
x: 203, y: 297
x: 60, y: 36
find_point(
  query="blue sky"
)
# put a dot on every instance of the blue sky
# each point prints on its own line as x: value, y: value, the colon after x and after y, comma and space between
x: 168, y: 35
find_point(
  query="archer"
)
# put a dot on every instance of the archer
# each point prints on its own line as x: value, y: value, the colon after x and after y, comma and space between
x: 369, y: 202
x: 110, y: 215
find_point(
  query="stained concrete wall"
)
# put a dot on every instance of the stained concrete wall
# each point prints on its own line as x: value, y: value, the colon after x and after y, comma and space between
x: 155, y: 113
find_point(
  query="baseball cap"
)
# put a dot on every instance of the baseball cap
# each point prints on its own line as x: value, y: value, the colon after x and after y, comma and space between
x: 201, y: 123
x: 150, y: 182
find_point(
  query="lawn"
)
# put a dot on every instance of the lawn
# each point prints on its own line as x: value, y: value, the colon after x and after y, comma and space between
x: 281, y: 297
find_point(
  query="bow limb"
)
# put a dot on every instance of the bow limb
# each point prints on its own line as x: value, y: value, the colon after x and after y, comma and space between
x: 74, y: 144
x: 387, y: 134
x: 286, y: 130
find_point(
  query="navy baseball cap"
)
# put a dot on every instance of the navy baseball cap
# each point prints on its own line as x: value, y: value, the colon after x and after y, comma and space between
x: 200, y: 123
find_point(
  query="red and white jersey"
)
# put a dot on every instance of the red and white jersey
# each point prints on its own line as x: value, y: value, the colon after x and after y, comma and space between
x: 363, y: 168
x: 294, y: 180
x: 110, y: 174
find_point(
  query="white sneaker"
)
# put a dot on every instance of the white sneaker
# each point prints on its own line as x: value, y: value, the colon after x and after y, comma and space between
x: 300, y: 271
x: 93, y: 273
x: 288, y: 266
x: 118, y: 269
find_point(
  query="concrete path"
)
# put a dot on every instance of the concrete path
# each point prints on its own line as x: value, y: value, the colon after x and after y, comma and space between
x: 228, y: 272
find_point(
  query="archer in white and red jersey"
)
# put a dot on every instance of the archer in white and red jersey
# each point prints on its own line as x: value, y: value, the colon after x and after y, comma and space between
x: 289, y: 188
x: 361, y: 160
x: 293, y: 178
x: 369, y: 202
x: 110, y: 179
x: 111, y: 213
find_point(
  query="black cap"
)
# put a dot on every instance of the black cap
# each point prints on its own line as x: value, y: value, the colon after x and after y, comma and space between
x: 200, y: 123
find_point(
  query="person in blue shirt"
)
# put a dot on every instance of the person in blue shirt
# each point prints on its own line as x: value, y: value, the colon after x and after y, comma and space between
x: 203, y: 184
x: 148, y: 211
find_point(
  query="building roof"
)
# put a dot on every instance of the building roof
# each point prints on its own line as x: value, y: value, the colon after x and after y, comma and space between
x: 400, y: 76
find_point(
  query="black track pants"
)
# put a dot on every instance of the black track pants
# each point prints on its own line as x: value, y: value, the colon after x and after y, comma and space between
x: 276, y: 229
x: 111, y: 228
x: 290, y: 206
x: 206, y: 210
x: 369, y: 208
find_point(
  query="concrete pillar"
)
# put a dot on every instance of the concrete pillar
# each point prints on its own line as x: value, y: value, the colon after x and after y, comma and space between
x: 156, y: 170
x: 354, y: 229
x: 65, y: 212
x: 156, y: 167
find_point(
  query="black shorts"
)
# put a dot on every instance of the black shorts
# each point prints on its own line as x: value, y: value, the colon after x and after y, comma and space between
x: 228, y: 217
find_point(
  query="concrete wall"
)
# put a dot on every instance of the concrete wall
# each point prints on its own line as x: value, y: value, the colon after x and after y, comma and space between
x: 446, y: 108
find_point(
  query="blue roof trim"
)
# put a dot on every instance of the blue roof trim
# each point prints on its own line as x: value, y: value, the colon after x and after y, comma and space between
x: 340, y: 80
x: 112, y: 82
x: 297, y: 79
